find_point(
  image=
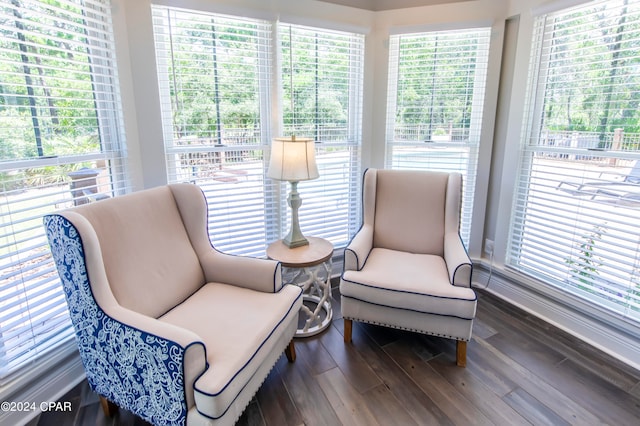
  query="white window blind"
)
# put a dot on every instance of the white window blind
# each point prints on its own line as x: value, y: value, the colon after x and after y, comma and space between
x: 60, y: 145
x: 216, y: 74
x: 327, y: 107
x: 435, y: 104
x: 576, y: 216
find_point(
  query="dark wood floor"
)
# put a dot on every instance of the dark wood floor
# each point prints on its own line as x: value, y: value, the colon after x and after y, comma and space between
x: 519, y: 371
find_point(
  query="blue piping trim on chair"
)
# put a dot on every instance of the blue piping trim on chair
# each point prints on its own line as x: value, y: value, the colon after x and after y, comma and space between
x: 463, y: 245
x: 252, y: 356
x: 413, y: 292
x: 462, y: 264
x: 458, y: 267
x: 153, y: 384
x: 357, y: 259
x: 361, y: 221
x: 206, y: 203
x: 407, y: 309
x: 275, y: 273
x: 234, y: 400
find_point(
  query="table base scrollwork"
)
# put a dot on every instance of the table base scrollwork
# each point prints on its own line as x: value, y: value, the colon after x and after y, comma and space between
x: 315, y: 281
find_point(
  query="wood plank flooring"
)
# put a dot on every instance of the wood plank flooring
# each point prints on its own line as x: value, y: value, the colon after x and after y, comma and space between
x: 520, y: 371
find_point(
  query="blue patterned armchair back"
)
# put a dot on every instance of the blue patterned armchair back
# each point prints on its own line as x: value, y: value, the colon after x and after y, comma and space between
x: 138, y: 371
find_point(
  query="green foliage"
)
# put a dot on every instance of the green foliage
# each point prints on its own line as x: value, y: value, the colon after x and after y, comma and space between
x: 38, y: 176
x: 47, y: 94
x: 16, y: 135
x: 436, y: 75
x: 71, y: 145
x: 585, y: 265
x: 592, y: 82
x: 320, y: 80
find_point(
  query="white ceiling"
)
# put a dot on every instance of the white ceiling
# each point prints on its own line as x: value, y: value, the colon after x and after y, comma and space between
x: 377, y: 5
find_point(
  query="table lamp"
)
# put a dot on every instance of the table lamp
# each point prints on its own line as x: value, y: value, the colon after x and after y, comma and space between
x: 293, y: 159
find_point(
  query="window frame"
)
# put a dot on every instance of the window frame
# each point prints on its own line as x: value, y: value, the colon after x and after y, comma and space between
x: 478, y: 131
x: 530, y: 151
x: 51, y: 178
x: 274, y: 193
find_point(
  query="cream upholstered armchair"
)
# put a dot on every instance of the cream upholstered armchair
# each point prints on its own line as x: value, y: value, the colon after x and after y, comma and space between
x: 168, y: 327
x: 407, y: 266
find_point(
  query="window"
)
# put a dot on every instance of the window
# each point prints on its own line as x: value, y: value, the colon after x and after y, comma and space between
x: 435, y: 104
x: 220, y: 86
x: 327, y: 107
x: 214, y: 74
x: 60, y: 145
x: 575, y: 223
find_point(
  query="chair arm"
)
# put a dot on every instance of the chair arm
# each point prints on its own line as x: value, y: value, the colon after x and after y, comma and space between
x: 242, y: 271
x: 356, y: 253
x: 257, y: 274
x: 130, y: 358
x: 457, y: 259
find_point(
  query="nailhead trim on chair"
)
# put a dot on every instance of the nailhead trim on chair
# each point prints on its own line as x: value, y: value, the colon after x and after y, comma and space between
x: 407, y: 329
x: 234, y: 400
x: 249, y: 362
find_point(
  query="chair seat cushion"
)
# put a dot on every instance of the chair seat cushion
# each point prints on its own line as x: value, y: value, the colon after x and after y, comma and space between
x: 239, y: 328
x: 417, y: 282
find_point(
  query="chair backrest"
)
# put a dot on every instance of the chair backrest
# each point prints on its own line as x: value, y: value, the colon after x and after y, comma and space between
x: 412, y: 210
x: 149, y: 261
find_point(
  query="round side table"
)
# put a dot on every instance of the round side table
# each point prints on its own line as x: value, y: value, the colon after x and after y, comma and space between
x: 310, y: 268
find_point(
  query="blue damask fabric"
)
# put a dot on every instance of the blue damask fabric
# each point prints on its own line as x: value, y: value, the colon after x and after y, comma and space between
x: 137, y: 371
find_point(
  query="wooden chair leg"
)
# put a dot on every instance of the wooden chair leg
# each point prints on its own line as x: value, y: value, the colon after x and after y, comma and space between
x: 461, y: 353
x: 348, y: 324
x: 109, y: 408
x: 290, y: 351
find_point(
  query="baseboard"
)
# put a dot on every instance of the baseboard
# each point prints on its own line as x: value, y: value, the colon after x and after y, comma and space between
x: 34, y: 397
x: 612, y: 340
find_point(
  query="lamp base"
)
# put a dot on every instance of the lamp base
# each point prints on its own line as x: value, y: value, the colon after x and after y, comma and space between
x: 294, y: 238
x: 295, y: 243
